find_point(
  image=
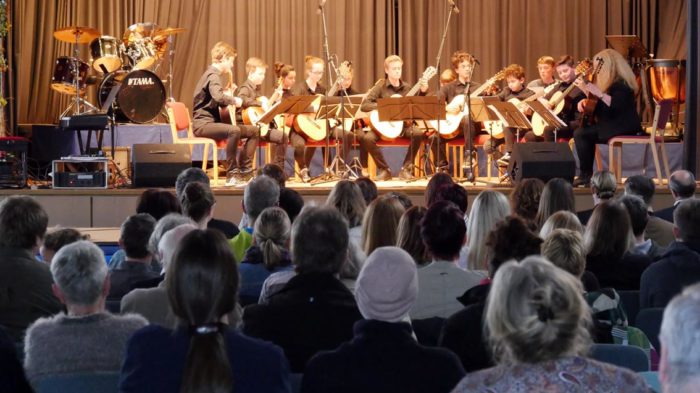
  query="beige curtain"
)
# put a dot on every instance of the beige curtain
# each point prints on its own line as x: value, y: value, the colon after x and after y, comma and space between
x: 498, y: 32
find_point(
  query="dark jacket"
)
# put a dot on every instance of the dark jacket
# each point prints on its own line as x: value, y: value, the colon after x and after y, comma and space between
x: 678, y: 268
x: 313, y: 312
x: 128, y: 275
x: 667, y: 213
x: 12, y: 377
x: 620, y: 118
x: 228, y: 228
x: 382, y: 357
x: 621, y: 274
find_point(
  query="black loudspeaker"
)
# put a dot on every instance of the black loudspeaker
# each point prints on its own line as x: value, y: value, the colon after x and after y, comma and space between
x: 157, y: 165
x: 543, y: 160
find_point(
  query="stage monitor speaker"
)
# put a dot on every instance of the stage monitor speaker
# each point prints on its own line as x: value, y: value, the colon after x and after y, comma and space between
x: 542, y: 160
x: 157, y: 165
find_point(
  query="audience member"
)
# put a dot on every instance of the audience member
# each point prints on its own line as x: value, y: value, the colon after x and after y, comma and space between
x: 408, y: 237
x: 198, y: 203
x: 563, y: 219
x: 436, y: 181
x: 25, y: 284
x: 525, y: 198
x: 190, y: 175
x: 537, y: 322
x: 679, y: 266
x: 347, y: 198
x: 157, y: 203
x: 383, y: 356
x: 402, y: 197
x: 12, y: 377
x: 380, y: 223
x: 202, y: 353
x: 682, y: 185
x: 133, y: 239
x: 368, y: 188
x: 291, y: 202
x: 679, y: 367
x: 657, y: 229
x: 489, y: 208
x: 565, y: 249
x: 86, y: 339
x: 608, y: 238
x: 442, y: 281
x: 314, y: 311
x: 259, y: 194
x: 268, y: 254
x: 557, y: 194
x: 603, y: 187
x: 455, y: 194
x: 275, y: 172
x: 637, y: 210
x: 57, y: 238
x: 164, y: 225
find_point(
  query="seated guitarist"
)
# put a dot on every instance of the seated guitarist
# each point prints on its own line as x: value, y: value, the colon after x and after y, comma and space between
x: 344, y: 89
x: 209, y: 95
x: 612, y: 92
x: 515, y: 79
x: 545, y: 67
x: 368, y: 140
x: 249, y: 92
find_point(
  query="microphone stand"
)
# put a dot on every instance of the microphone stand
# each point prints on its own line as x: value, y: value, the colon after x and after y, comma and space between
x: 468, y: 129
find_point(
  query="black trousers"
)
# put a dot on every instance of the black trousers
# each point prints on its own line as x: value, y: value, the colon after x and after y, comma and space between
x: 585, y: 139
x: 368, y: 141
x: 232, y: 134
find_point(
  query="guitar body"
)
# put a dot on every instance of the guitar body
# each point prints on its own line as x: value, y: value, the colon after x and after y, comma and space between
x: 494, y: 128
x: 538, y: 123
x: 387, y: 130
x: 449, y: 128
x: 307, y: 125
x: 228, y: 114
x: 588, y: 119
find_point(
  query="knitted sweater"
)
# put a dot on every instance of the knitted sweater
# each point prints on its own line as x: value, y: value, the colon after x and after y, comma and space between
x: 64, y: 344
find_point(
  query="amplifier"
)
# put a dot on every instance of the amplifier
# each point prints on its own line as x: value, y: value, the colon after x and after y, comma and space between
x: 88, y: 172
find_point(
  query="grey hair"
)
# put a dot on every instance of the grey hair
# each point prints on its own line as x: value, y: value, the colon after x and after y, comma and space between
x: 79, y: 269
x: 604, y: 183
x: 170, y: 240
x: 187, y: 176
x: 680, y: 337
x: 489, y: 208
x: 262, y: 192
x: 163, y: 225
x: 682, y: 183
x: 319, y: 240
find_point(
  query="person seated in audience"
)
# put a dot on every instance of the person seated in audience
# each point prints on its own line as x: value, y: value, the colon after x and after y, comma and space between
x: 563, y: 219
x: 259, y: 194
x: 275, y: 172
x: 291, y: 202
x: 680, y: 264
x: 402, y: 197
x: 136, y: 267
x: 657, y: 229
x: 442, y: 281
x: 489, y: 208
x: 557, y: 194
x: 198, y: 203
x: 603, y: 187
x: 608, y: 238
x: 314, y: 311
x: 87, y: 338
x: 157, y: 203
x: 637, y: 210
x: 165, y: 224
x: 680, y: 343
x: 383, y: 356
x: 436, y: 181
x: 682, y: 185
x: 408, y: 237
x: 25, y: 284
x: 463, y: 331
x: 203, y: 353
x: 346, y: 196
x: 268, y: 254
x: 190, y: 175
x: 525, y: 199
x: 12, y: 376
x: 380, y: 223
x: 565, y: 249
x: 537, y: 322
x: 57, y: 238
x: 368, y: 188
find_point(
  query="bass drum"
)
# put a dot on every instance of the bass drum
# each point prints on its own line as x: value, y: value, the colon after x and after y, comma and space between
x: 141, y: 97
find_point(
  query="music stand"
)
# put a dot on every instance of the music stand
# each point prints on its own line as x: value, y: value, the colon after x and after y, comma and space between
x: 548, y: 116
x: 628, y: 45
x: 510, y: 115
x: 288, y: 106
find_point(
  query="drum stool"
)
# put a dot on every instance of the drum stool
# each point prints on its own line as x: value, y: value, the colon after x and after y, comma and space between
x: 13, y: 162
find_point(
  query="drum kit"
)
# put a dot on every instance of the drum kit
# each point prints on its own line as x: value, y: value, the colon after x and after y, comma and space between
x: 131, y: 61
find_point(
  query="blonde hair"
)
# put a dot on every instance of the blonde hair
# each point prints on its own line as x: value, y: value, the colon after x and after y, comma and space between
x: 380, y: 223
x: 346, y: 196
x: 253, y: 63
x: 604, y: 184
x: 222, y: 50
x: 391, y: 59
x: 563, y: 219
x: 565, y: 249
x: 614, y: 67
x: 546, y: 60
x: 489, y: 208
x: 535, y: 312
x: 309, y: 62
x: 409, y: 238
x: 448, y: 76
x: 271, y: 232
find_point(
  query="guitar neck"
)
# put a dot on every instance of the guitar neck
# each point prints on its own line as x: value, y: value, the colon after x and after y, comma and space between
x: 483, y: 87
x: 563, y: 94
x: 334, y: 88
x: 414, y: 89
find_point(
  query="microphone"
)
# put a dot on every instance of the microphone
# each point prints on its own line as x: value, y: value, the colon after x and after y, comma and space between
x: 321, y: 3
x: 453, y: 5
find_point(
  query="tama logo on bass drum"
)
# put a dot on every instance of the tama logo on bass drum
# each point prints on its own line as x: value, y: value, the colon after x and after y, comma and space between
x: 141, y: 81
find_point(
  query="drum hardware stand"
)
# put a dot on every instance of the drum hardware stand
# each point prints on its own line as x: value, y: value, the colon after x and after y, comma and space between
x: 171, y: 53
x: 77, y: 100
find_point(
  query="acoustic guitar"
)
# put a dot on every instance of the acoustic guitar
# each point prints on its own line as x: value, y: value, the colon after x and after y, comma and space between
x: 588, y: 117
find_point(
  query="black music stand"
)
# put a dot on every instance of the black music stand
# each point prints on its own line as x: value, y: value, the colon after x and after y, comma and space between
x: 510, y: 115
x: 339, y: 108
x: 628, y: 45
x: 411, y: 109
x: 548, y: 116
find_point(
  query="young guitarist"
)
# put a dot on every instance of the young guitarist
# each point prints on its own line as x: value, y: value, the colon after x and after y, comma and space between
x: 343, y: 88
x: 393, y: 84
x: 610, y: 101
x: 209, y: 96
x: 545, y: 67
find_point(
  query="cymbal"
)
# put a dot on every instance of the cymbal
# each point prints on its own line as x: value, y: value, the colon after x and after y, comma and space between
x: 163, y: 33
x: 139, y: 31
x: 84, y: 34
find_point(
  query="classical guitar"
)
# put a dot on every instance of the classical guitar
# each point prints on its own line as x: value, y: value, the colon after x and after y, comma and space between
x: 227, y: 113
x: 390, y: 130
x: 449, y: 128
x: 588, y: 117
x: 557, y: 101
x: 496, y: 127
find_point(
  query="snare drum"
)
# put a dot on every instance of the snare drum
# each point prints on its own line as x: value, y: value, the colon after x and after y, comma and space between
x: 105, y: 52
x: 63, y: 79
x: 140, y: 98
x: 141, y: 53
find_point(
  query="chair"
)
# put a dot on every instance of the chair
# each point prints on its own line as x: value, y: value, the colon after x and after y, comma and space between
x: 649, y: 321
x: 652, y: 380
x: 655, y: 140
x: 103, y: 382
x: 630, y: 303
x: 179, y: 117
x: 628, y: 356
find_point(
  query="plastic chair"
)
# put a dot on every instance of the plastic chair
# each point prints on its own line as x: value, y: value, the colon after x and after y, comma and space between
x: 103, y: 382
x: 179, y: 117
x: 649, y: 321
x: 628, y: 356
x: 655, y: 141
x: 630, y: 303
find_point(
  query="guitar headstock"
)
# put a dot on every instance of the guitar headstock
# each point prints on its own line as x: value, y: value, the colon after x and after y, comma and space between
x: 498, y: 76
x: 428, y: 74
x: 598, y: 65
x: 345, y: 69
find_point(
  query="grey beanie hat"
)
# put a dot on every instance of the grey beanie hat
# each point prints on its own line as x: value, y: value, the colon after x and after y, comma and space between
x: 387, y: 285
